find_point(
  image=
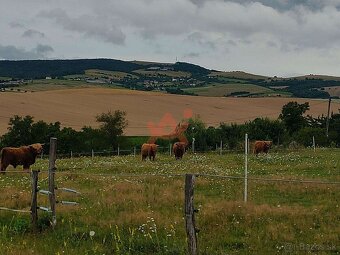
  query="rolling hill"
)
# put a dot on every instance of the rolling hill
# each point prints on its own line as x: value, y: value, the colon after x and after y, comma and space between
x: 78, y: 107
x: 175, y: 78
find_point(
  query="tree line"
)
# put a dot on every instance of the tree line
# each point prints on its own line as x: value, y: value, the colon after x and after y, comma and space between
x: 292, y: 126
x: 24, y: 130
x: 37, y: 69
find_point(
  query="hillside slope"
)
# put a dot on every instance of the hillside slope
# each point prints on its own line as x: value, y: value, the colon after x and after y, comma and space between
x: 78, y: 107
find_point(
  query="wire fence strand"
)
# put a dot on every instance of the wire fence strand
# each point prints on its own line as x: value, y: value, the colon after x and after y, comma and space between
x: 207, y: 175
x: 14, y: 210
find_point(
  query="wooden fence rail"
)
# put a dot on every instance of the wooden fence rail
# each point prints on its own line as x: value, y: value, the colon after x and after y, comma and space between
x: 50, y: 192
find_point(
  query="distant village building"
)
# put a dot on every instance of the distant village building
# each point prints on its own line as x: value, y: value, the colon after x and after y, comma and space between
x: 48, y: 78
x: 167, y: 69
x: 154, y: 68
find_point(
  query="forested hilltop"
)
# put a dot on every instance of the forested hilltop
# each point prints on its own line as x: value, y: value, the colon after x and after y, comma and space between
x: 176, y: 78
x: 38, y: 69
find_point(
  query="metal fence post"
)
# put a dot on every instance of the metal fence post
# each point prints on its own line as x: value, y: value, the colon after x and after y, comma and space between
x: 246, y: 141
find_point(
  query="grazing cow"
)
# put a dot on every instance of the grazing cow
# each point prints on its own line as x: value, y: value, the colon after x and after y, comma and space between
x: 262, y: 146
x: 24, y: 155
x: 149, y: 150
x: 179, y: 149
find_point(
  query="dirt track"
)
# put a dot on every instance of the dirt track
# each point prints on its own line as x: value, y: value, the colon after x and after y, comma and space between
x: 78, y: 107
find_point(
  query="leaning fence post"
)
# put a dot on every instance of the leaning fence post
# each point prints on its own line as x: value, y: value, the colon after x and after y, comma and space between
x: 51, y: 175
x: 34, y: 204
x: 190, y: 214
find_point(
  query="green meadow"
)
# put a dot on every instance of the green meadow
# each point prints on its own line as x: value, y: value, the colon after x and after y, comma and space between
x: 127, y: 206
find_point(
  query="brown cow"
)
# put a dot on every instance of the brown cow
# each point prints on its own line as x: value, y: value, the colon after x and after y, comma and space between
x: 24, y: 155
x: 149, y: 149
x: 262, y: 146
x: 179, y: 149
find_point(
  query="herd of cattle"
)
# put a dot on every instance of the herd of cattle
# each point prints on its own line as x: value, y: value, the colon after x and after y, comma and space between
x: 26, y: 155
x: 150, y: 149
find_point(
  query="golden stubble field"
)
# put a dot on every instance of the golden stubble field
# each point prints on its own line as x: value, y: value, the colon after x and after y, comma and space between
x: 78, y: 107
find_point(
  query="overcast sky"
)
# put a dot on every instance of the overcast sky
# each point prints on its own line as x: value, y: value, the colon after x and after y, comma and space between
x: 269, y: 37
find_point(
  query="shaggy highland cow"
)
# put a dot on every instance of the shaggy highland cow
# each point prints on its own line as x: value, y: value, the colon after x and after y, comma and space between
x: 24, y: 155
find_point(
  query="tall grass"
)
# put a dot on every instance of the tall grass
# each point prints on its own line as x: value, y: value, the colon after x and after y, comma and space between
x: 144, y: 214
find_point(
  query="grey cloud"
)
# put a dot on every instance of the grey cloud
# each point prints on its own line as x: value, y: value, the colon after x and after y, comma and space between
x: 90, y: 26
x: 200, y: 38
x: 280, y: 5
x: 11, y: 52
x: 231, y: 43
x: 192, y: 55
x: 43, y: 49
x: 199, y: 3
x: 15, y: 24
x: 33, y: 33
x: 217, y: 21
x: 271, y: 44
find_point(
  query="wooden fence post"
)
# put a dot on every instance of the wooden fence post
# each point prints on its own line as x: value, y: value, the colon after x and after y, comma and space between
x: 51, y: 175
x: 170, y: 147
x: 221, y: 147
x: 118, y: 151
x: 34, y: 203
x: 190, y: 214
x: 92, y: 154
x: 134, y: 151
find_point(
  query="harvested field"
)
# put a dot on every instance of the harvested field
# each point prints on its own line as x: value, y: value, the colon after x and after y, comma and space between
x: 218, y: 89
x: 333, y: 91
x: 78, y: 107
